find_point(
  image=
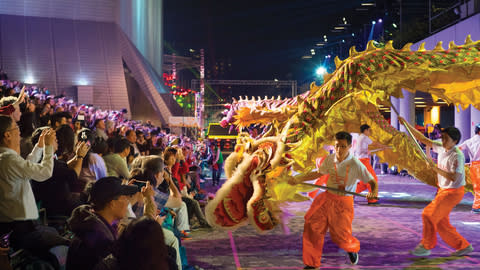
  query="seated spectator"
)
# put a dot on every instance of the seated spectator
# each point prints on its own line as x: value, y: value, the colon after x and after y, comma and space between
x: 93, y: 166
x: 142, y: 144
x: 12, y: 107
x: 139, y: 247
x: 116, y: 162
x: 99, y: 128
x: 58, y: 119
x: 94, y: 224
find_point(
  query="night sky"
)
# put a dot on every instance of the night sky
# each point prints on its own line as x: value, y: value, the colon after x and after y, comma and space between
x: 267, y: 38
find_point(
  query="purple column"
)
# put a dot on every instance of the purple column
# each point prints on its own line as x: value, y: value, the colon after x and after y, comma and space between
x: 407, y: 108
x: 462, y: 122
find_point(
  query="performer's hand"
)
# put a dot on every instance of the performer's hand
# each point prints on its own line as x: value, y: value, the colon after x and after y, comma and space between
x: 293, y: 181
x: 372, y: 196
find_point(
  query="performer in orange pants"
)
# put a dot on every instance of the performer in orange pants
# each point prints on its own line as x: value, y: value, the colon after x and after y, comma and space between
x: 363, y: 154
x: 450, y: 171
x: 435, y: 218
x: 475, y: 177
x: 333, y: 210
x: 472, y: 147
x: 323, y: 215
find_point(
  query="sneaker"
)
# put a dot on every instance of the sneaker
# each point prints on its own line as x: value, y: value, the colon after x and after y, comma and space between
x: 309, y: 267
x: 463, y: 252
x: 184, y: 235
x: 353, y: 256
x: 476, y: 210
x: 420, y: 251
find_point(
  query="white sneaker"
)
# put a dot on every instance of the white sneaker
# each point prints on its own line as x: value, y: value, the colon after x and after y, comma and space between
x: 420, y: 251
x: 463, y: 252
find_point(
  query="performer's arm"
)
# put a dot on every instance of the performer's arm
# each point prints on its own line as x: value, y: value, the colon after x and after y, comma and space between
x: 417, y: 134
x: 452, y: 176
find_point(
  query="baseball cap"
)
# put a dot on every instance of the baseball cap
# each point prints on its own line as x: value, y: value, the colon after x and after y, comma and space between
x: 108, y: 188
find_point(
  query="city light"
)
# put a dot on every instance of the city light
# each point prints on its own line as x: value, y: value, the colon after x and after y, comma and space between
x: 321, y: 71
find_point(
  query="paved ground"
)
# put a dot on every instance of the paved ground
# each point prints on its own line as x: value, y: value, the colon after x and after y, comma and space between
x: 386, y: 232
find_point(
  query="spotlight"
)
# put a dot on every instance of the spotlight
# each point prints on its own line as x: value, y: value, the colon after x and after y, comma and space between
x: 321, y: 71
x: 380, y: 20
x: 374, y: 22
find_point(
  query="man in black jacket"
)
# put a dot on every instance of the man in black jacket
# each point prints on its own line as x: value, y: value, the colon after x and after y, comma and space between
x: 94, y: 224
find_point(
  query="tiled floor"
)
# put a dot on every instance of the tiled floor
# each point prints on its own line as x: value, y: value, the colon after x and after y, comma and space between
x: 386, y: 232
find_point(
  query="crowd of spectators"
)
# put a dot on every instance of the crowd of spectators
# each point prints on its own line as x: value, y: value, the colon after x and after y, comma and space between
x: 106, y: 185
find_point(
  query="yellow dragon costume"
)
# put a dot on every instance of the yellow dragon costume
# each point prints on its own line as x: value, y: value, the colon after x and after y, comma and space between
x: 259, y: 169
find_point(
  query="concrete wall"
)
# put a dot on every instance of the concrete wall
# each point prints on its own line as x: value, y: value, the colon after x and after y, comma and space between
x: 62, y: 53
x: 89, y: 10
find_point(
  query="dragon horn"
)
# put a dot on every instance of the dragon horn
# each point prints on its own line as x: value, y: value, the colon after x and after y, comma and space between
x: 422, y: 47
x: 352, y: 51
x: 468, y: 40
x: 452, y: 45
x: 389, y: 45
x: 371, y: 46
x: 406, y: 48
x: 439, y: 47
x: 338, y: 62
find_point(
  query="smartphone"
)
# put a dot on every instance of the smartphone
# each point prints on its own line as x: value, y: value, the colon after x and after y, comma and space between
x: 5, y: 240
x: 140, y: 184
x: 163, y: 213
x: 81, y: 117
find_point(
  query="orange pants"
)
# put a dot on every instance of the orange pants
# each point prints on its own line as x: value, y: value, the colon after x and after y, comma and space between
x: 332, y: 212
x: 475, y: 176
x: 435, y: 219
x: 362, y: 186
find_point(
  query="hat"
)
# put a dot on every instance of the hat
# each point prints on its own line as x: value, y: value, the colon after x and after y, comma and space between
x: 108, y: 188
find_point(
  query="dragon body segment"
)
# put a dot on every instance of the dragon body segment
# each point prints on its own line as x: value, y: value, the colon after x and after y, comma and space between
x: 299, y: 127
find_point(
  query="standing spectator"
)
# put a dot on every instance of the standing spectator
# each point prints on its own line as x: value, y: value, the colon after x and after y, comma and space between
x: 216, y: 161
x: 17, y: 206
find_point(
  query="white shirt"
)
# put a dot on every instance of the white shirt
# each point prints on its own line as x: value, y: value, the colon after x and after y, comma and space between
x: 17, y: 200
x: 450, y: 161
x: 356, y: 171
x: 361, y: 148
x: 472, y: 146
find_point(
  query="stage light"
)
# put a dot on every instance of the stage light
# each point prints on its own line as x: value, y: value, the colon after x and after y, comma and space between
x: 394, y: 25
x: 82, y: 81
x: 321, y: 71
x: 353, y: 34
x: 374, y: 22
x: 29, y: 80
x: 380, y: 21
